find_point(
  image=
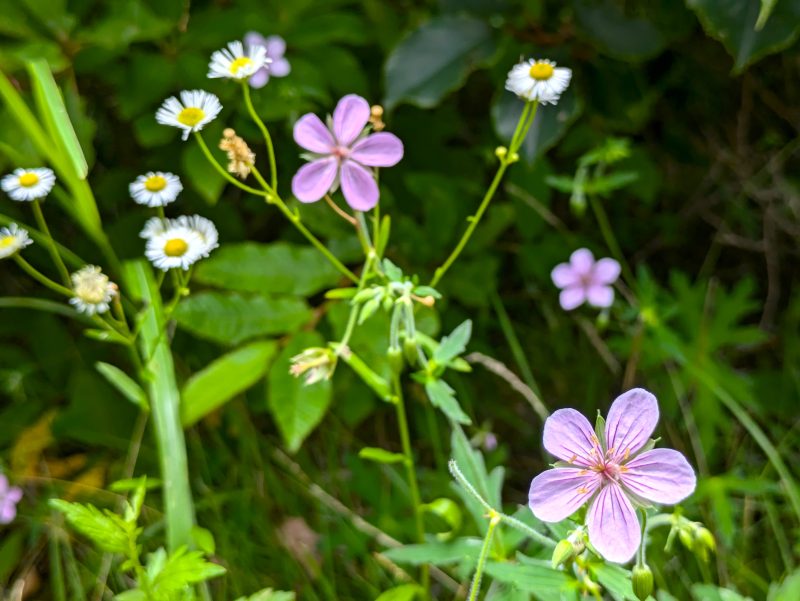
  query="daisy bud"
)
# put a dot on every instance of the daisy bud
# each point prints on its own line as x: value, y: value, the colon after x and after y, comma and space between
x: 642, y: 580
x: 239, y: 154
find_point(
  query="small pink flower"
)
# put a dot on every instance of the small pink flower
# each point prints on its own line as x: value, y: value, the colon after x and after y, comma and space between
x: 9, y: 497
x: 611, y: 475
x: 584, y: 279
x: 276, y: 48
x: 342, y: 155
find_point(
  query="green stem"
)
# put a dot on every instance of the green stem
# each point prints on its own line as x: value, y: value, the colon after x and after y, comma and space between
x: 641, y: 559
x: 523, y: 125
x: 273, y: 168
x: 224, y: 172
x: 41, y: 278
x: 608, y: 235
x: 411, y: 473
x: 51, y: 244
x: 351, y: 320
x: 487, y: 543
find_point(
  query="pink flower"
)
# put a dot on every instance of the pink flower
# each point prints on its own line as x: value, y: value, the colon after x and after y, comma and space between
x: 276, y: 48
x: 9, y: 497
x: 342, y: 155
x: 612, y: 475
x: 583, y: 279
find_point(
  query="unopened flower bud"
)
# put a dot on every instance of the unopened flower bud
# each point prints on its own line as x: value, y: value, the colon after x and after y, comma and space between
x: 569, y: 548
x: 704, y: 537
x: 376, y: 117
x: 239, y: 154
x: 410, y: 350
x: 686, y: 538
x: 513, y: 157
x: 642, y: 580
x: 315, y: 363
x: 395, y: 356
x: 500, y: 152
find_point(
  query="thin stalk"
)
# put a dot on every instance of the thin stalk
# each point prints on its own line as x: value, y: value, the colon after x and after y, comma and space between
x: 40, y: 277
x: 487, y: 543
x: 523, y: 125
x: 273, y: 169
x: 641, y: 559
x: 351, y: 320
x: 51, y: 243
x: 411, y: 473
x: 514, y: 344
x: 224, y: 172
x: 608, y: 235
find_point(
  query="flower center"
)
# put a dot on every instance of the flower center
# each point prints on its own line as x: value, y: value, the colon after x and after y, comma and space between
x: 341, y: 152
x: 541, y: 71
x: 7, y: 241
x: 155, y: 183
x: 239, y: 64
x: 191, y: 116
x: 175, y: 247
x: 28, y: 179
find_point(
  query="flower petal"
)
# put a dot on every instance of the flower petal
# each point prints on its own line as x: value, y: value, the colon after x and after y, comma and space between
x: 582, y: 261
x: 275, y: 45
x: 349, y: 118
x: 14, y: 494
x: 600, y: 295
x: 606, y: 271
x: 313, y: 180
x: 613, y: 526
x: 572, y: 297
x: 253, y: 38
x: 310, y: 133
x: 568, y: 436
x: 558, y: 493
x: 8, y: 511
x: 280, y: 67
x: 631, y: 420
x: 378, y: 150
x: 259, y: 79
x: 661, y: 476
x: 563, y: 275
x: 359, y: 186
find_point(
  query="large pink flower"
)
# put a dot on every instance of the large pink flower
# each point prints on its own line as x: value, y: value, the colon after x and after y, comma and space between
x: 611, y: 475
x: 343, y: 156
x: 584, y: 279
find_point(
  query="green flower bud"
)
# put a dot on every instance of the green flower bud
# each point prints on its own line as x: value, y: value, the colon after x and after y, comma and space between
x: 562, y: 553
x: 395, y: 357
x: 410, y: 350
x: 704, y: 537
x: 642, y: 580
x: 686, y: 538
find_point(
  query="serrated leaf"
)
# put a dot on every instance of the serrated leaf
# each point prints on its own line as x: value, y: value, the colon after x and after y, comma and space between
x: 124, y: 384
x: 381, y: 455
x: 453, y: 345
x: 180, y: 569
x: 443, y: 397
x: 439, y: 554
x: 105, y: 529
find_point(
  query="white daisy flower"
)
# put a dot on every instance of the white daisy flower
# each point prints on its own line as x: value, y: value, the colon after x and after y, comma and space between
x: 13, y: 239
x: 204, y: 227
x: 192, y: 112
x: 538, y: 80
x: 153, y: 226
x: 28, y: 184
x: 234, y: 62
x: 175, y: 246
x: 155, y: 188
x: 93, y: 290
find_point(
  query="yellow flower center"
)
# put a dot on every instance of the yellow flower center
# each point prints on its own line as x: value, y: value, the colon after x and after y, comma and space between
x: 28, y: 179
x: 239, y: 64
x: 155, y: 183
x: 541, y: 71
x: 175, y: 247
x: 7, y: 241
x: 191, y: 116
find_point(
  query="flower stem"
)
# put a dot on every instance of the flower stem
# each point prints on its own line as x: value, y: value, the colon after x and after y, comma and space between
x: 40, y: 277
x: 51, y: 244
x: 640, y: 559
x: 273, y: 169
x: 608, y: 235
x: 351, y: 320
x: 523, y: 125
x: 411, y: 473
x: 222, y: 171
x: 487, y: 543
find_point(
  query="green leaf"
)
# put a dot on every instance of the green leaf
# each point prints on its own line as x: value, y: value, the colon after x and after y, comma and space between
x: 436, y: 59
x: 126, y: 385
x: 443, y: 396
x: 439, y: 554
x: 449, y: 511
x: 204, y: 540
x: 619, y: 35
x: 734, y: 24
x: 381, y: 455
x: 453, y: 345
x: 404, y: 592
x: 297, y: 408
x: 767, y: 7
x: 547, y: 584
x: 615, y: 579
x: 180, y: 569
x: 233, y: 318
x: 268, y: 594
x: 223, y: 379
x: 280, y: 267
x: 105, y: 529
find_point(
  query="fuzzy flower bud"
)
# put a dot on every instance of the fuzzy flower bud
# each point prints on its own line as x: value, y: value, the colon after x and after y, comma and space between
x: 315, y: 364
x: 569, y: 548
x: 239, y: 154
x: 376, y: 117
x: 642, y: 580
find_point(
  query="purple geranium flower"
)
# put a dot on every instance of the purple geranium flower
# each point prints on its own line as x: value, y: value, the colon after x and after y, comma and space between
x: 612, y: 475
x: 276, y: 48
x: 9, y: 497
x: 342, y: 155
x: 584, y: 279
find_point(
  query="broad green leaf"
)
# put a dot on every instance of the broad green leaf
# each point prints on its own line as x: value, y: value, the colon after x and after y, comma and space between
x: 449, y: 511
x: 105, y: 529
x: 443, y: 397
x: 404, y: 592
x: 545, y: 583
x: 711, y: 592
x: 204, y: 540
x: 440, y: 554
x: 278, y: 268
x: 297, y: 408
x: 436, y: 59
x: 788, y: 590
x: 453, y: 345
x: 621, y: 36
x: 223, y: 379
x: 734, y: 24
x: 615, y: 579
x: 381, y: 455
x: 126, y: 385
x: 231, y: 318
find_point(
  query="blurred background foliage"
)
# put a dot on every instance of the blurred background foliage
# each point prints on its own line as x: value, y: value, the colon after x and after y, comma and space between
x: 702, y: 97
